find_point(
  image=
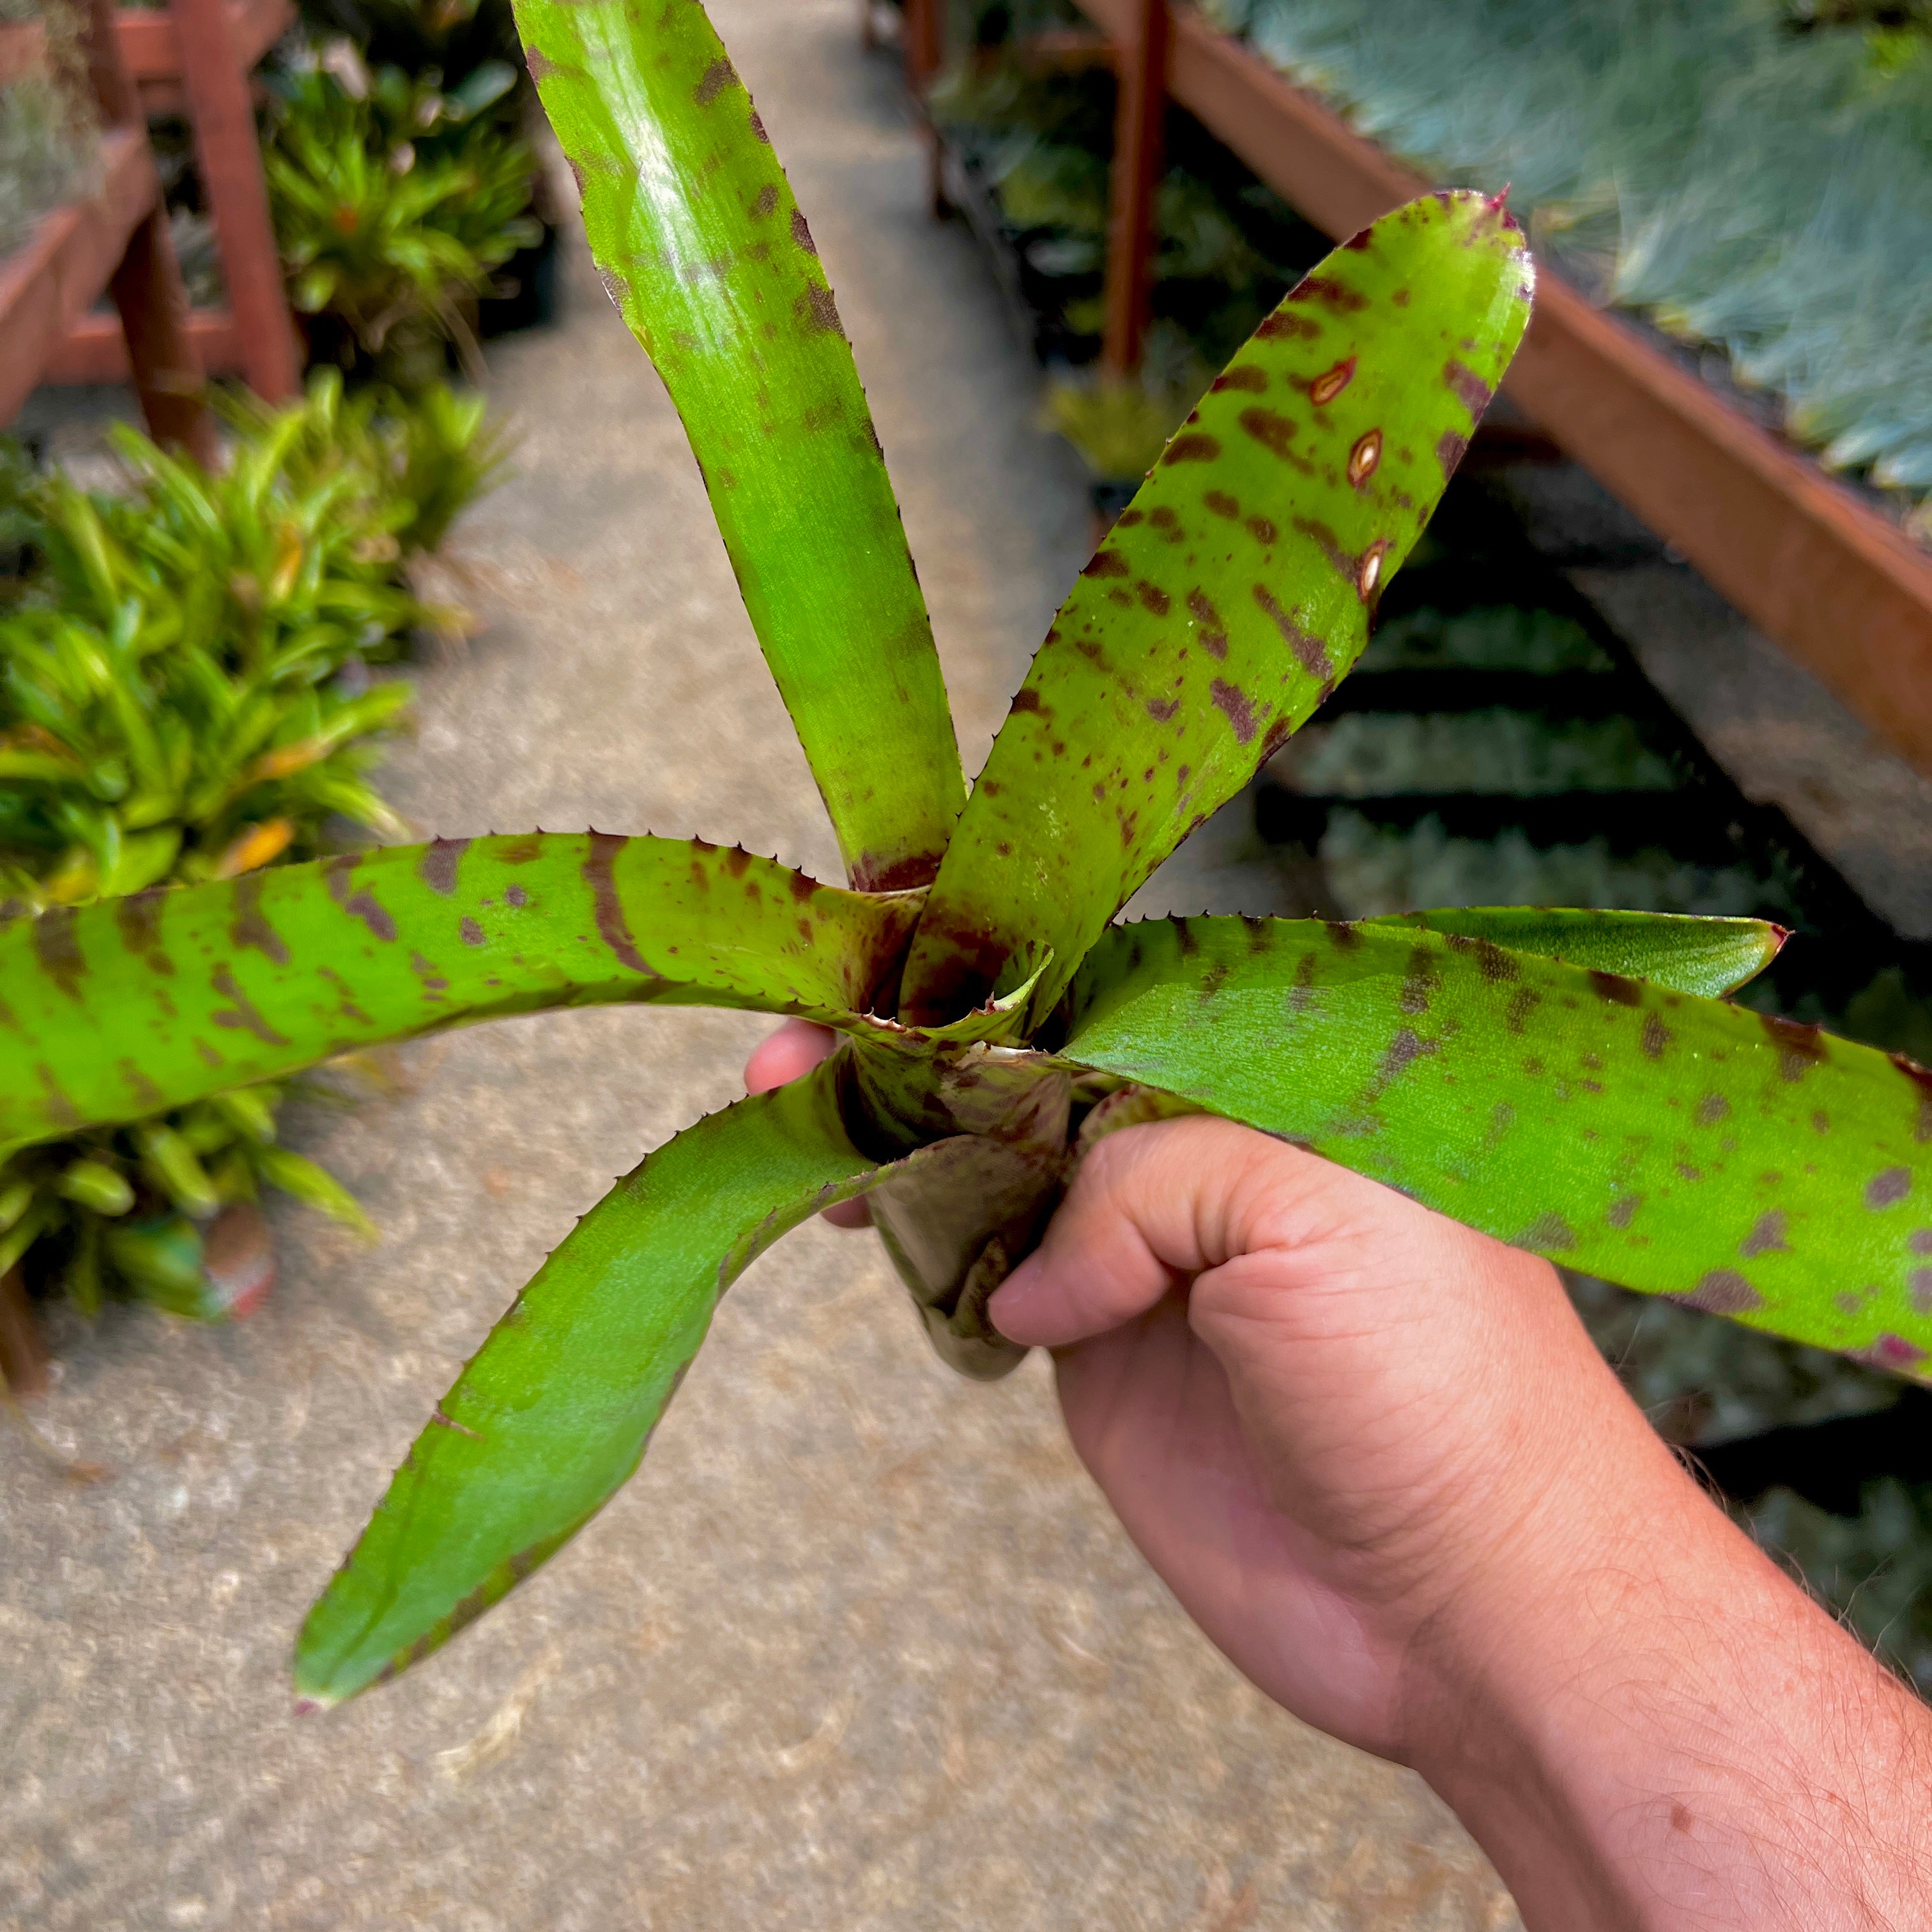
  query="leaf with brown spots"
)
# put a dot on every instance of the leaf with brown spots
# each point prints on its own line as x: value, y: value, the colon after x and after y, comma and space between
x: 1263, y: 538
x: 553, y: 1412
x: 707, y: 255
x: 1688, y: 954
x: 1651, y: 1136
x: 1554, y: 1077
x: 219, y: 985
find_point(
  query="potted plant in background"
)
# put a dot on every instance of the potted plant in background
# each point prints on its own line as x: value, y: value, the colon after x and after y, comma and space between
x: 1118, y: 429
x: 396, y: 201
x: 185, y: 694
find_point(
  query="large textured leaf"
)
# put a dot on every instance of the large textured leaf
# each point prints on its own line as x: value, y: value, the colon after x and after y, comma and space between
x: 553, y: 1412
x: 1687, y: 953
x: 128, y: 1006
x: 704, y: 250
x: 1232, y: 594
x: 1674, y: 1144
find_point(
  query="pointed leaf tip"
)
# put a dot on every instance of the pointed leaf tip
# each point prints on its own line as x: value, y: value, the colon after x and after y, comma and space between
x: 1234, y: 593
x: 1689, y: 953
x: 691, y: 218
x: 562, y: 1397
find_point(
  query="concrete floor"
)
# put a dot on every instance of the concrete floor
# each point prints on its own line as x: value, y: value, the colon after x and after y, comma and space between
x: 861, y: 1647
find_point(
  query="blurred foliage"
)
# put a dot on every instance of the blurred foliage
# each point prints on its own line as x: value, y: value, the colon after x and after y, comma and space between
x: 1373, y: 868
x: 394, y: 203
x: 185, y: 694
x: 1365, y: 754
x: 1119, y: 428
x: 1490, y: 636
x: 1378, y: 868
x: 991, y: 23
x: 1704, y: 1381
x: 1227, y: 247
x: 453, y: 35
x: 1887, y: 1013
x: 1757, y: 177
x: 1878, y: 16
x: 1873, y: 1571
x: 419, y: 459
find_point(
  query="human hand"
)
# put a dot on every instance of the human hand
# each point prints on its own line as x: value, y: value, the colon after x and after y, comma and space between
x: 1324, y: 1413
x: 1378, y: 1459
x: 787, y: 1055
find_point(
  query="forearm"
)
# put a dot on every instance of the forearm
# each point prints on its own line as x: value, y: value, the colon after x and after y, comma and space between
x: 1654, y: 1728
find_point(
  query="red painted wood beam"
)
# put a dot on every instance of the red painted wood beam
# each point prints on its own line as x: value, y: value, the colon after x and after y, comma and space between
x: 94, y: 349
x: 215, y: 76
x: 1140, y: 158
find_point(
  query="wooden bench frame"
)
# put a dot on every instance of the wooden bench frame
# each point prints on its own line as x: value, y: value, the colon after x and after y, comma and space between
x: 194, y: 58
x: 1809, y: 560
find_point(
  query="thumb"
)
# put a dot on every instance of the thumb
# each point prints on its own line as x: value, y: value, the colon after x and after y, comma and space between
x: 1150, y: 1208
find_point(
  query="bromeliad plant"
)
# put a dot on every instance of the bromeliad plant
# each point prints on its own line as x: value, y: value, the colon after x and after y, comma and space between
x: 184, y: 695
x: 409, y: 464
x: 394, y: 205
x: 1569, y: 1081
x: 182, y: 692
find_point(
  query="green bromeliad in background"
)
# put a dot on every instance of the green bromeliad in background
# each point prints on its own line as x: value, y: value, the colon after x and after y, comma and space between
x: 395, y: 202
x: 185, y: 694
x: 1574, y: 1082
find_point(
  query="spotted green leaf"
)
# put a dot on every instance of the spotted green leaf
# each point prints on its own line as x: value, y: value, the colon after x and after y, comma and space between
x: 706, y: 253
x: 128, y: 1006
x: 1762, y: 1169
x: 553, y: 1412
x: 1231, y: 595
x: 1687, y: 953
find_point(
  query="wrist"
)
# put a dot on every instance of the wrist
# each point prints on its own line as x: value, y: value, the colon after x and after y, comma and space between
x: 1521, y: 1693
x: 1647, y: 1725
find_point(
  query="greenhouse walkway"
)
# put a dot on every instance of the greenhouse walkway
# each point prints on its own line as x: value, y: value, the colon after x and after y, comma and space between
x: 861, y: 1647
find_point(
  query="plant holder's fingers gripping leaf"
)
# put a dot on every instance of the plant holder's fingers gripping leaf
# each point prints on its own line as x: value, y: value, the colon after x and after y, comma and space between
x: 1674, y: 1144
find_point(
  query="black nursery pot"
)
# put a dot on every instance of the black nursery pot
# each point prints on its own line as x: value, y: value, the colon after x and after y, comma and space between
x: 1109, y: 499
x: 527, y: 289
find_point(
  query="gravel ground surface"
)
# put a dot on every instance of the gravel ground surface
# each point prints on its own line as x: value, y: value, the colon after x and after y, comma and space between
x: 861, y: 1647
